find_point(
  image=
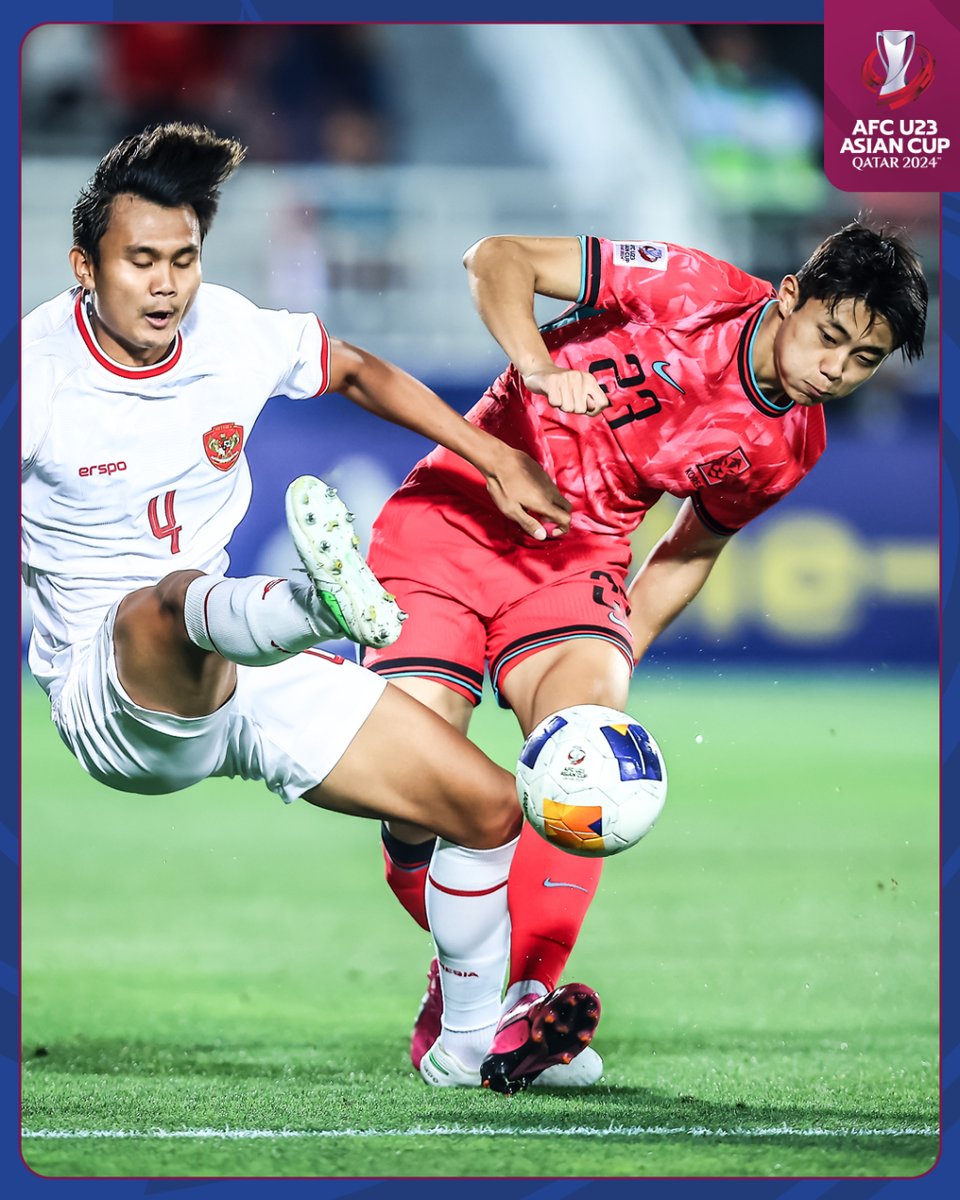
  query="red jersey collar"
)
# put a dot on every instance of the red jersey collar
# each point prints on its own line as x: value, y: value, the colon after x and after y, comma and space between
x: 748, y: 380
x: 110, y: 364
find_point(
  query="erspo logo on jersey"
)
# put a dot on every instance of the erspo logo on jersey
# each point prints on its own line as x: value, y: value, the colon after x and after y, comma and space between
x: 653, y: 255
x: 102, y: 469
x: 222, y: 445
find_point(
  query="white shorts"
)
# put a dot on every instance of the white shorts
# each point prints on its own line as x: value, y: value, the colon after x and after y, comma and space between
x: 287, y: 724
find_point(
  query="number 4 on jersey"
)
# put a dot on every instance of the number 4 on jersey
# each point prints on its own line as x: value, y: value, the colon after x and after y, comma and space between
x: 170, y: 529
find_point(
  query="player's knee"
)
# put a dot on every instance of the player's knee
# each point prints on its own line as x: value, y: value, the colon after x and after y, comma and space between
x: 497, y: 820
x: 155, y: 612
x: 168, y: 594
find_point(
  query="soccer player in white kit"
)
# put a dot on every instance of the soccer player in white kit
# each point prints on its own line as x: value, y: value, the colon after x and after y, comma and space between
x: 140, y: 386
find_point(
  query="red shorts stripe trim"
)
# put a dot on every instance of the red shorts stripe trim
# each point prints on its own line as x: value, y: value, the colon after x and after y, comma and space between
x: 554, y: 637
x: 461, y: 678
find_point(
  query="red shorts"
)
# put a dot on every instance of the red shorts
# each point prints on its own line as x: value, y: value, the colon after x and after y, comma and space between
x: 479, y: 594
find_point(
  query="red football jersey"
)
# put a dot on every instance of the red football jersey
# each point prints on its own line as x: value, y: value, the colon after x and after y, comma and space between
x: 668, y: 331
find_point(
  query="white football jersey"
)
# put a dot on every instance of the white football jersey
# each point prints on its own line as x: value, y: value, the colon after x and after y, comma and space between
x: 129, y: 473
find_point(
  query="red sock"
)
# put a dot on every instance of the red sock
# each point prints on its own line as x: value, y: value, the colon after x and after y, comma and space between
x: 548, y: 893
x: 406, y: 873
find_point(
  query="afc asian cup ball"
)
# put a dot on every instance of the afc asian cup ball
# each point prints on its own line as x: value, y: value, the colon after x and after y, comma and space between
x: 591, y: 780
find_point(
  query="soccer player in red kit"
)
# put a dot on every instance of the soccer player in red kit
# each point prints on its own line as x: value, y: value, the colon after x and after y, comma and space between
x: 672, y: 372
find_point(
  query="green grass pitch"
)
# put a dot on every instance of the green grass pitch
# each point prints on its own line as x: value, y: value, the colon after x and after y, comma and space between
x: 216, y: 984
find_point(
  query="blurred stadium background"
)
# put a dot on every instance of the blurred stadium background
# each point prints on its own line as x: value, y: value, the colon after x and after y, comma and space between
x: 361, y: 193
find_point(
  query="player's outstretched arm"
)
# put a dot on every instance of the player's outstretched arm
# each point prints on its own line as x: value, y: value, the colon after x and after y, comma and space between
x: 519, y: 487
x: 505, y: 274
x: 673, y: 573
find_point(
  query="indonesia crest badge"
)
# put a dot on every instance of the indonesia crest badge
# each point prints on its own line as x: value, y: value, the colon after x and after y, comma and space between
x: 222, y: 445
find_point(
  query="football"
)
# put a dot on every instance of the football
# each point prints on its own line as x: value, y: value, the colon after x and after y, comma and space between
x: 591, y: 780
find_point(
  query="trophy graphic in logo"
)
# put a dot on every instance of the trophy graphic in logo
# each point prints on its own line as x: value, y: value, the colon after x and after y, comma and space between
x: 895, y: 47
x: 885, y: 69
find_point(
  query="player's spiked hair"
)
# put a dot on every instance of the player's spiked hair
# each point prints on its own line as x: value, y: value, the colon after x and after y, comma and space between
x: 877, y: 266
x: 170, y: 165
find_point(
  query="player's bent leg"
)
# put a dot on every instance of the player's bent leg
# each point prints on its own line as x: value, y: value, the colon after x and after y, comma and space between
x: 455, y: 709
x: 407, y: 764
x: 157, y: 663
x: 130, y: 747
x: 177, y: 642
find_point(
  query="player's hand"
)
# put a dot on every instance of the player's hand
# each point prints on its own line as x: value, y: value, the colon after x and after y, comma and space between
x: 520, y: 487
x: 570, y: 391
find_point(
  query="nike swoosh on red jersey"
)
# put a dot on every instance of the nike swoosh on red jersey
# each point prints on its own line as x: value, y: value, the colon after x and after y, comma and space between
x: 660, y: 367
x: 548, y: 882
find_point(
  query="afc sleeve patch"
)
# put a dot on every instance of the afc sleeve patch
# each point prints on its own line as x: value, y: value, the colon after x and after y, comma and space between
x: 652, y: 255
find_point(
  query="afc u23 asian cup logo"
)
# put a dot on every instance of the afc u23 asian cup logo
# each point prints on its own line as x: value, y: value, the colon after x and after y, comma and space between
x: 886, y: 70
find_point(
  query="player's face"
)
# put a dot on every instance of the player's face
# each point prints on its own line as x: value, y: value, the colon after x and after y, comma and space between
x: 147, y: 279
x: 821, y: 354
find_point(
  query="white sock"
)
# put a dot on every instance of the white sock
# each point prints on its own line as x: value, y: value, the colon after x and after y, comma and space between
x: 467, y: 910
x: 516, y: 992
x: 256, y: 620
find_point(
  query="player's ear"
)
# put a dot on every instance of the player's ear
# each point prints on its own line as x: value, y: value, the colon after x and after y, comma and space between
x: 82, y: 268
x: 788, y: 295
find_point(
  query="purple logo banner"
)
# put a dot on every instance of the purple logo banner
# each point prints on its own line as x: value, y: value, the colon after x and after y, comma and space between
x: 891, y: 104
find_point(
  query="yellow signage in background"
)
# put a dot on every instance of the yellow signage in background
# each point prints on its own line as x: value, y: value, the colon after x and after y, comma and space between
x: 804, y: 577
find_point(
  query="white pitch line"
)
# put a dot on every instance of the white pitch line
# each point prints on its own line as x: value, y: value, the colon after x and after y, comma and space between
x: 580, y: 1131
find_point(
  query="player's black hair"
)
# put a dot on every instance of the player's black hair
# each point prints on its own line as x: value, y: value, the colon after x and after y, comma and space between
x: 170, y: 165
x: 877, y: 266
